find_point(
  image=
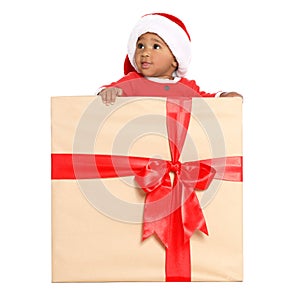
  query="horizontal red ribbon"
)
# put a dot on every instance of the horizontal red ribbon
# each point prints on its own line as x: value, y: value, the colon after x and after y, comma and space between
x: 172, y: 211
x: 153, y: 177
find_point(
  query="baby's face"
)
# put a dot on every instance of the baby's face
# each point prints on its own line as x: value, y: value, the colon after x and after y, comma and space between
x: 153, y: 57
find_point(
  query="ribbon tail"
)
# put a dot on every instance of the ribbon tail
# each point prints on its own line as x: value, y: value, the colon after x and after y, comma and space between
x: 193, y: 217
x: 156, y: 214
x: 178, y: 260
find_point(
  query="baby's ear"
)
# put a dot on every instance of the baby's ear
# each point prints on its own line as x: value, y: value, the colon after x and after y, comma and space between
x: 175, y: 64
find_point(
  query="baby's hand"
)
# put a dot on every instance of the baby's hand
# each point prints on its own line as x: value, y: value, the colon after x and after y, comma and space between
x: 231, y: 94
x: 109, y: 95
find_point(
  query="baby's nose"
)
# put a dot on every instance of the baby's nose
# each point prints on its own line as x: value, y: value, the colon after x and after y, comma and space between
x: 146, y: 52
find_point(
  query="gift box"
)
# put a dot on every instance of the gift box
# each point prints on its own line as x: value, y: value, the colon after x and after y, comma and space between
x: 148, y: 189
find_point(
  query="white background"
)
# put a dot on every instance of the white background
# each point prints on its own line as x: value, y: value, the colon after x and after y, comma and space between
x: 58, y: 47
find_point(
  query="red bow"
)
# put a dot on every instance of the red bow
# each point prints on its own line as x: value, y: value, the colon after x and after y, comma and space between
x: 162, y: 198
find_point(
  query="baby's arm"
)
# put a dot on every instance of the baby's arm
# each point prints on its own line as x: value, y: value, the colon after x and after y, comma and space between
x: 110, y: 94
x: 192, y: 84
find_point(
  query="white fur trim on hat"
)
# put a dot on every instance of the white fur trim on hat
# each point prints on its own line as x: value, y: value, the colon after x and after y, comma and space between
x: 174, y: 36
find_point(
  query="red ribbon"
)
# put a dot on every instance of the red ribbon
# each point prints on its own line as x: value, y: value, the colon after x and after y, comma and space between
x: 172, y: 210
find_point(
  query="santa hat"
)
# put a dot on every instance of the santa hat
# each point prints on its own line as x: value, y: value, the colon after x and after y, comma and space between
x: 171, y: 30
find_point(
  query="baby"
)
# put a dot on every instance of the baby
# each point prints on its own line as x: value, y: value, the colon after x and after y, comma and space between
x: 159, y: 53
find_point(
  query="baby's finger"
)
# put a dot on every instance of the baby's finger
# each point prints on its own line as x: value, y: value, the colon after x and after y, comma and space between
x: 112, y: 100
x: 102, y: 94
x: 105, y: 98
x: 111, y: 96
x: 119, y: 92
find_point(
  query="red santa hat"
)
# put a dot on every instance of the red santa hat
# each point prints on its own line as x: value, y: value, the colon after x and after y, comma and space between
x: 171, y: 30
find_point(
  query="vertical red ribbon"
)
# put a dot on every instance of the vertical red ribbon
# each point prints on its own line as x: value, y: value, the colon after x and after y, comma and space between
x: 178, y: 266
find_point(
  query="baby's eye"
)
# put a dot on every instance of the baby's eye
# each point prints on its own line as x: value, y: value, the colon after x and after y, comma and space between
x: 140, y: 46
x: 156, y: 46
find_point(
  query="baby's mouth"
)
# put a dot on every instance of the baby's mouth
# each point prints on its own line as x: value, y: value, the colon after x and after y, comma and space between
x: 145, y: 65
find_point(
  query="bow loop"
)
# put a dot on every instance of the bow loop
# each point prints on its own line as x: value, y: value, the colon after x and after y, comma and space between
x: 197, y: 175
x: 152, y: 175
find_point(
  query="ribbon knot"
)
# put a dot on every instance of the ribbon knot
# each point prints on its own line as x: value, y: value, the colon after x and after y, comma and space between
x: 174, y: 167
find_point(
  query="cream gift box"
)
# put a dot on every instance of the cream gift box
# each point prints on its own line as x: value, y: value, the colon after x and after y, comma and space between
x: 97, y: 223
